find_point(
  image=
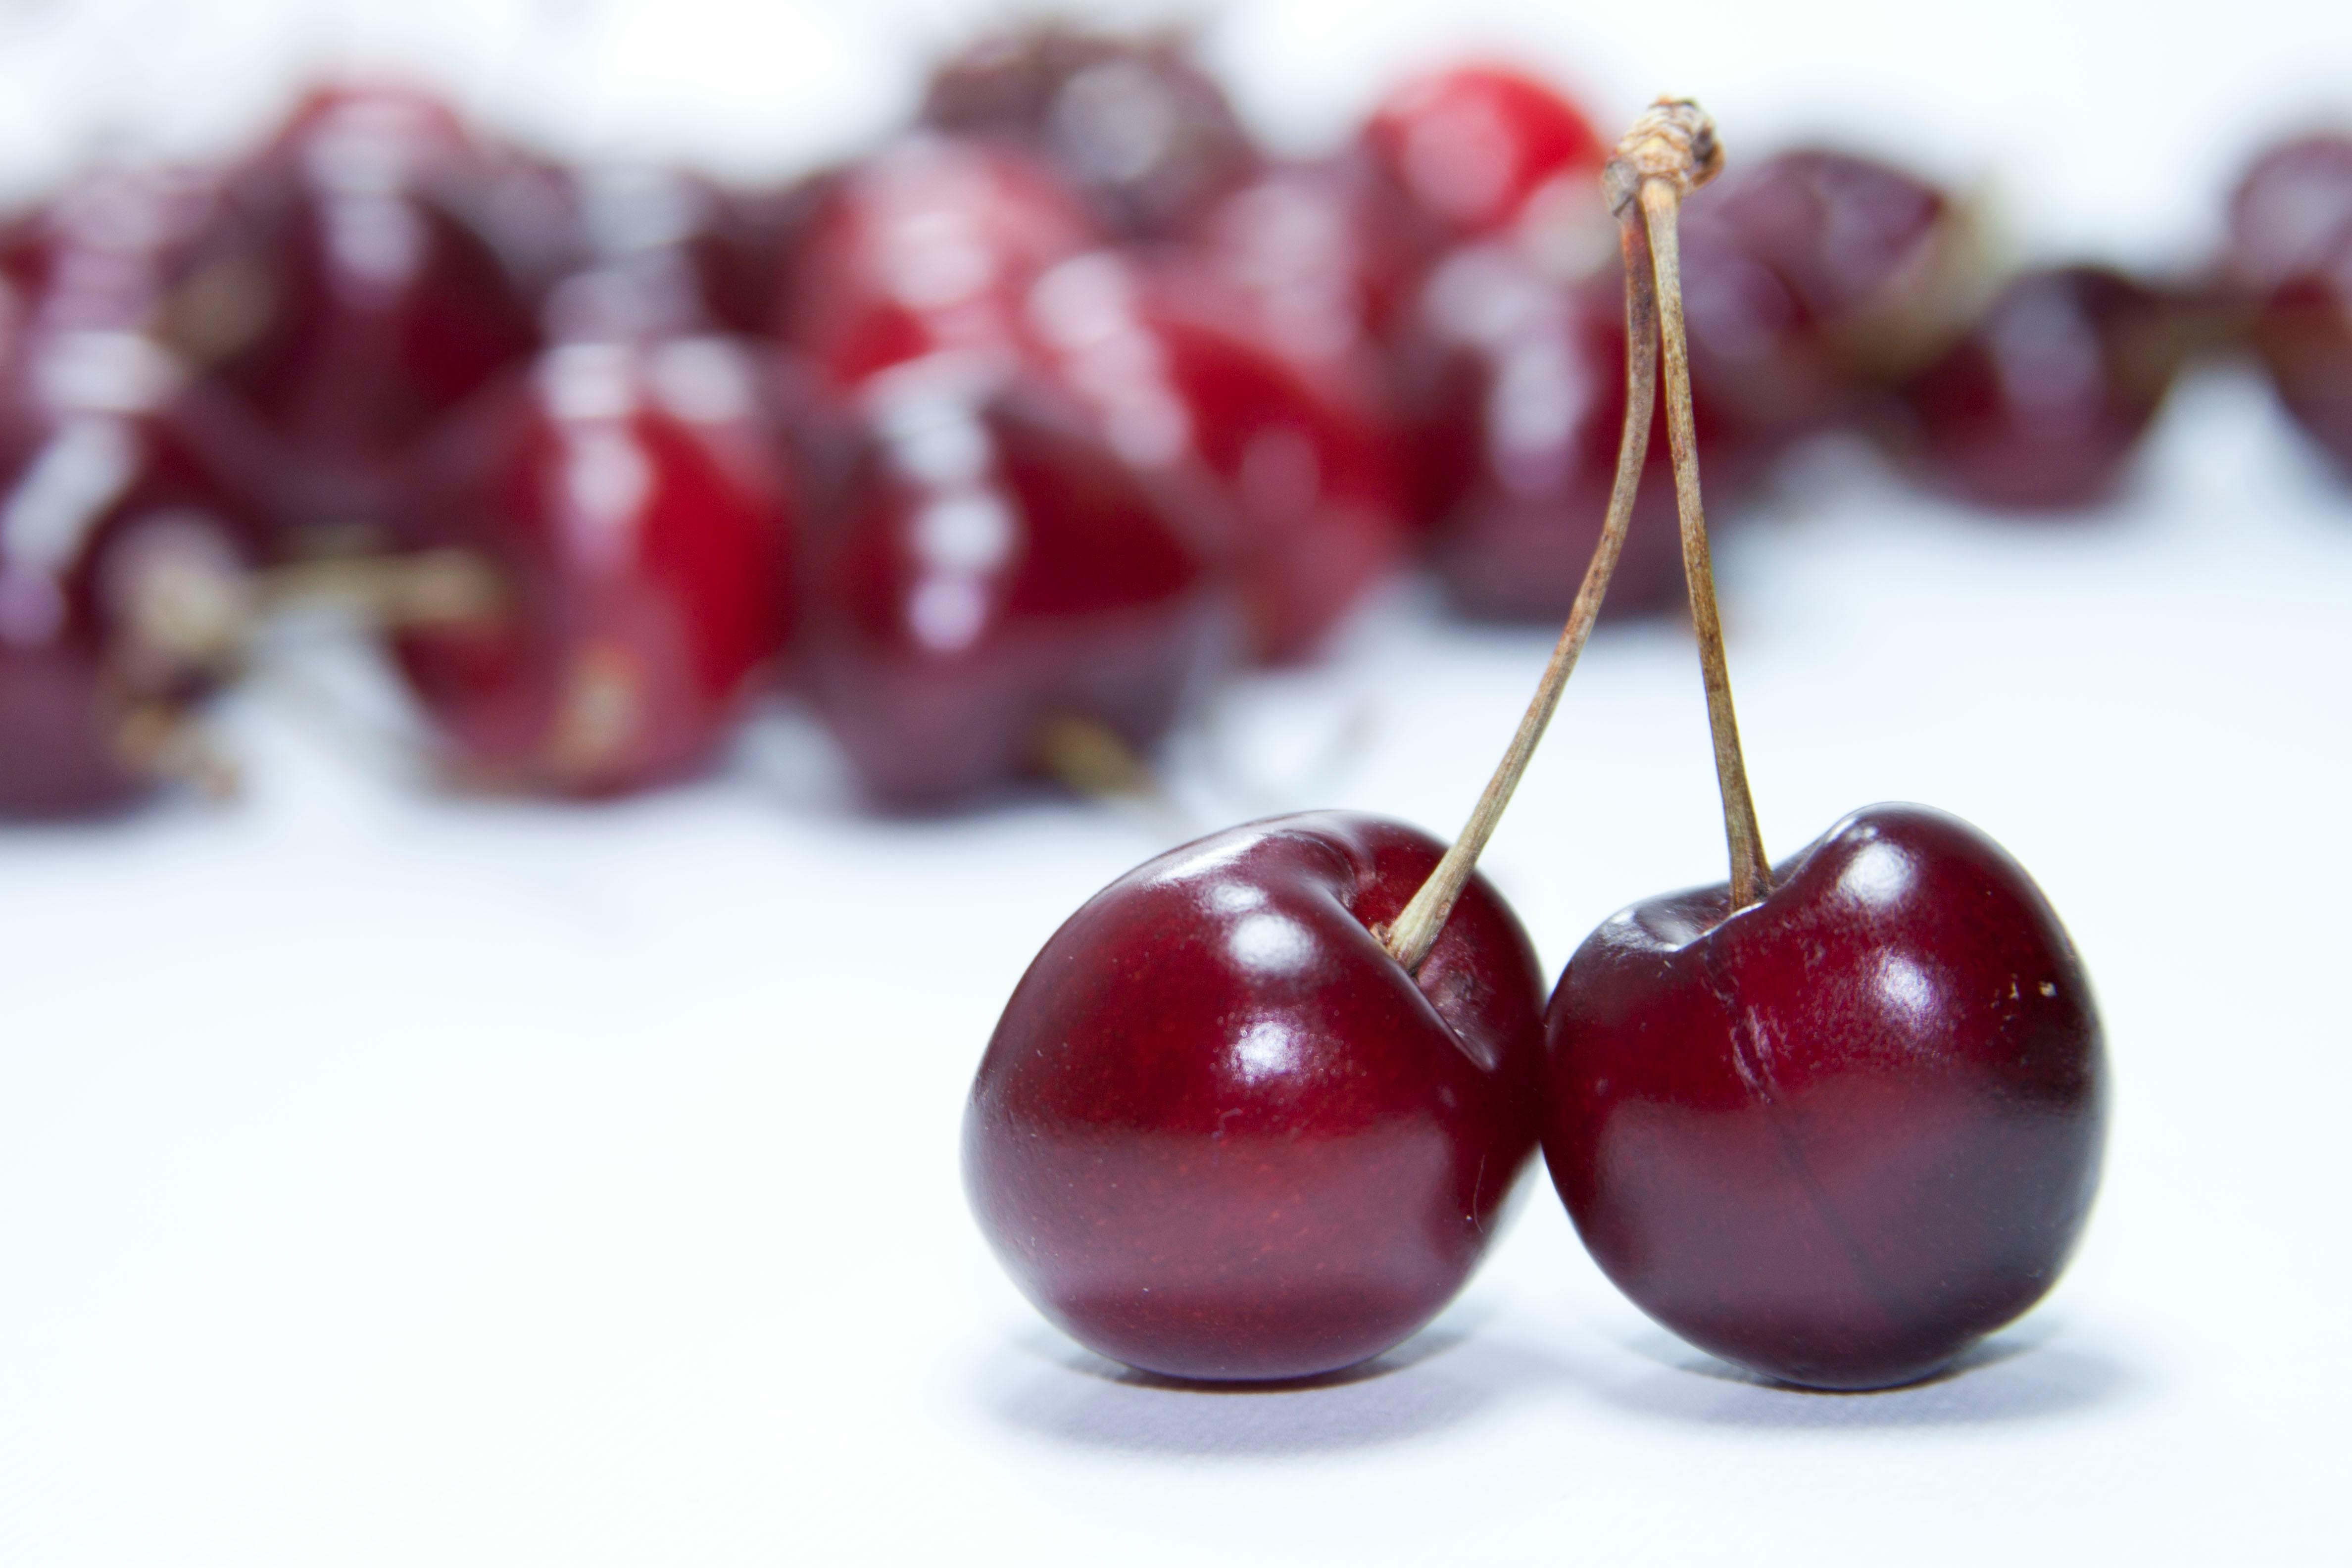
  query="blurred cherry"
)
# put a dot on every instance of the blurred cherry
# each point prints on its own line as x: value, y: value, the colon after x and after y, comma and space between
x: 996, y: 573
x: 2291, y: 255
x: 730, y: 244
x: 1176, y: 368
x: 929, y: 244
x: 1220, y: 1132
x: 354, y: 295
x: 124, y: 556
x: 1513, y: 385
x: 2048, y: 396
x: 1814, y: 274
x: 628, y: 493
x: 1470, y: 146
x: 1133, y: 123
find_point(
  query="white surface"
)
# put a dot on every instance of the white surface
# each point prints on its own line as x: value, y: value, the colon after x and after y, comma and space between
x: 385, y: 1179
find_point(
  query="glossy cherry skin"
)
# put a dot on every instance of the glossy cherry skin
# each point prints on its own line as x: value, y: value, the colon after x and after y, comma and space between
x: 1843, y: 1134
x: 2291, y: 254
x: 2044, y: 401
x: 928, y: 245
x: 630, y: 499
x: 1310, y: 502
x: 354, y: 295
x: 1514, y: 392
x: 1220, y: 1133
x: 1140, y: 130
x: 1470, y: 146
x: 106, y: 489
x: 993, y: 566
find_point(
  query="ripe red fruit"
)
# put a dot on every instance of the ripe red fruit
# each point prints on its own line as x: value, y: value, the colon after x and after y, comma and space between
x: 928, y: 245
x: 1131, y: 122
x: 994, y: 569
x: 353, y: 295
x: 122, y: 550
x: 2045, y: 399
x: 1512, y: 389
x: 1471, y: 145
x: 1220, y: 1134
x: 1839, y: 1136
x: 1309, y: 502
x: 2291, y: 255
x: 628, y: 497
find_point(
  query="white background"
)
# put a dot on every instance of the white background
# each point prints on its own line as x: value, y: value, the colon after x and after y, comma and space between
x: 390, y: 1180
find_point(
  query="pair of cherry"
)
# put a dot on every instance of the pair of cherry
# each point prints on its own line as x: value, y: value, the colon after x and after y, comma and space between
x: 1253, y: 1111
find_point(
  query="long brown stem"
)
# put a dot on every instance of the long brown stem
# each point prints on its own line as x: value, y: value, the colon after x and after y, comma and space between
x: 1751, y: 875
x: 1415, y: 931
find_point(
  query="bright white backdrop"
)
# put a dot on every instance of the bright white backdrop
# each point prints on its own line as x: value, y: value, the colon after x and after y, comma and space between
x: 388, y: 1180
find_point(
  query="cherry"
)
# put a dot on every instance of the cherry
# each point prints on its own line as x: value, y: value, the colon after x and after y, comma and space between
x: 2291, y: 252
x: 1255, y: 1109
x: 926, y: 246
x: 2044, y: 400
x: 728, y: 244
x: 626, y: 492
x: 121, y: 553
x: 1839, y: 1121
x: 1176, y: 367
x: 1132, y: 121
x: 1472, y: 145
x: 995, y: 573
x: 1221, y: 1132
x: 1513, y: 395
x: 1815, y: 274
x: 353, y: 297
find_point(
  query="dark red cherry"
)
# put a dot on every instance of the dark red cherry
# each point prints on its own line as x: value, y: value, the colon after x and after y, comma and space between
x: 1179, y: 371
x: 1132, y: 121
x: 1816, y: 273
x: 2291, y: 255
x: 353, y: 297
x: 628, y: 495
x: 1220, y: 1133
x: 1839, y: 1136
x: 116, y: 528
x: 928, y: 245
x: 728, y: 244
x: 1513, y: 389
x: 2046, y: 398
x: 994, y: 570
x: 1328, y: 253
x: 1471, y: 145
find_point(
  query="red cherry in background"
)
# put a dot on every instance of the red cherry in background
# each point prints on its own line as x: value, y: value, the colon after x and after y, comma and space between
x: 628, y: 493
x: 1470, y: 146
x: 1513, y: 390
x: 122, y: 556
x: 2291, y: 254
x: 1174, y: 366
x: 1840, y: 1135
x: 1131, y: 122
x: 730, y: 244
x: 994, y: 570
x: 1220, y: 1132
x: 352, y: 297
x: 926, y: 246
x: 2047, y: 397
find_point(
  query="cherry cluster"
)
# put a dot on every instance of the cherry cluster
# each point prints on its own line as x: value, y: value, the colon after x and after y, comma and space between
x: 1256, y: 1110
x: 995, y: 443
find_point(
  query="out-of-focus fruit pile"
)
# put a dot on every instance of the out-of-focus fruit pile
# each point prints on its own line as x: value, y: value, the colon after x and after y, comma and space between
x: 996, y: 443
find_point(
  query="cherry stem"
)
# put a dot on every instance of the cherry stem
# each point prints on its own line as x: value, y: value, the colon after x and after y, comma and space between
x: 1751, y: 875
x: 431, y: 587
x: 1415, y: 931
